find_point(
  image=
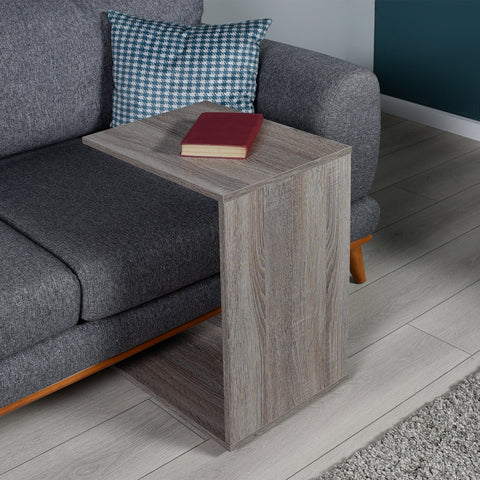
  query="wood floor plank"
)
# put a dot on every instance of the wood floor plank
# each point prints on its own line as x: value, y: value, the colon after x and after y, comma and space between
x: 371, y: 432
x: 381, y: 377
x: 400, y: 297
x: 408, y: 239
x: 40, y: 426
x: 448, y: 178
x: 125, y: 447
x: 404, y: 134
x: 456, y: 321
x: 419, y: 157
x: 390, y: 120
x: 396, y: 204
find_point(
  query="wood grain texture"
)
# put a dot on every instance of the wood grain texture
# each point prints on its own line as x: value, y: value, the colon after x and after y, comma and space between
x: 125, y: 447
x: 284, y: 253
x: 396, y: 204
x: 187, y: 373
x: 456, y: 321
x: 419, y: 157
x: 154, y: 145
x: 43, y: 425
x: 404, y: 134
x: 284, y: 237
x: 244, y: 325
x: 385, y: 305
x: 337, y: 260
x: 416, y: 235
x: 448, y: 178
x: 284, y: 276
x: 380, y: 378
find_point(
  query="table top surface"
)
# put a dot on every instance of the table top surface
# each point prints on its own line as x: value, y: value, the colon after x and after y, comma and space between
x: 153, y: 144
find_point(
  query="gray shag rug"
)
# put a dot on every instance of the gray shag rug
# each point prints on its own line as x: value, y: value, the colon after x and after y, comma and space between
x: 441, y: 440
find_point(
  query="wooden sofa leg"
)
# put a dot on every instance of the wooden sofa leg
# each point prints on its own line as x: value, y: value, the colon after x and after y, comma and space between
x: 357, y: 269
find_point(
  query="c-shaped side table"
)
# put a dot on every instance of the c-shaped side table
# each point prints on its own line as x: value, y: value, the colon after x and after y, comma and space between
x: 284, y: 217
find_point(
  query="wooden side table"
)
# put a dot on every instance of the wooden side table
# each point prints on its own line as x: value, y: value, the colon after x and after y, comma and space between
x: 284, y: 234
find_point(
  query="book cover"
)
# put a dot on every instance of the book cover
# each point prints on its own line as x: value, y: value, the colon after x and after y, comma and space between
x: 222, y: 134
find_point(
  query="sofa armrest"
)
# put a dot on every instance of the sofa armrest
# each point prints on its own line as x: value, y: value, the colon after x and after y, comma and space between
x: 326, y: 96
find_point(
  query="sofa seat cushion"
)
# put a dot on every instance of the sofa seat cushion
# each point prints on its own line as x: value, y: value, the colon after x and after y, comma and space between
x: 128, y: 235
x: 90, y: 343
x: 39, y: 295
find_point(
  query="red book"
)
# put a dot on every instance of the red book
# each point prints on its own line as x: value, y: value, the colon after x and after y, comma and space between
x: 222, y: 134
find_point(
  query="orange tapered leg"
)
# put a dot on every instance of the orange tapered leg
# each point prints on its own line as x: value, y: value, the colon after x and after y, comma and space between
x: 357, y: 268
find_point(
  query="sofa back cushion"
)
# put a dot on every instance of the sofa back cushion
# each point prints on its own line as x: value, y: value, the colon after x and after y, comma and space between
x: 56, y: 73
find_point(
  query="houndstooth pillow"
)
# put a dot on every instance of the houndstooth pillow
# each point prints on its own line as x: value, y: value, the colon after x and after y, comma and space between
x: 160, y: 66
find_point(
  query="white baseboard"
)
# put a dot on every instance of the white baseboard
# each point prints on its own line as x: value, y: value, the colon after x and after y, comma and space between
x: 432, y: 117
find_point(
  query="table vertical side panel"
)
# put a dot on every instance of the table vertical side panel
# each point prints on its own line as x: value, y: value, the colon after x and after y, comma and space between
x: 243, y: 313
x: 337, y: 176
x: 283, y: 336
x: 294, y: 231
x: 309, y: 315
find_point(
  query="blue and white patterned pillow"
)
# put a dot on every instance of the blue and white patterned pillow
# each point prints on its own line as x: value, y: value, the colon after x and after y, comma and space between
x: 159, y: 66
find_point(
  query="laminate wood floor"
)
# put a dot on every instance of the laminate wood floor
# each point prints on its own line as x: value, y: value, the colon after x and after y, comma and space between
x: 414, y: 332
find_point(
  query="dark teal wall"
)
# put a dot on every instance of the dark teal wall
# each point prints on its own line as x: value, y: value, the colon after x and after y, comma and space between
x: 428, y: 52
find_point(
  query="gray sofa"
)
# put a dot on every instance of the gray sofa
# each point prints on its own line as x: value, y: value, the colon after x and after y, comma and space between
x: 97, y: 256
